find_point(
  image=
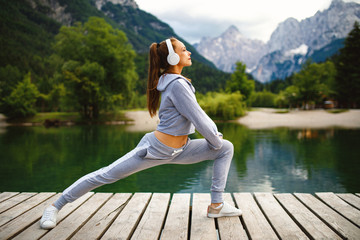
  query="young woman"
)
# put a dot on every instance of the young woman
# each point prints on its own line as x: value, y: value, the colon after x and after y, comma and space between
x: 179, y: 115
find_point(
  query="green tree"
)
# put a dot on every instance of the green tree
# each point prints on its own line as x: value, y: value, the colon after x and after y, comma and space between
x: 21, y: 101
x: 348, y: 71
x: 314, y: 82
x: 289, y: 97
x: 99, y: 67
x: 9, y: 77
x: 240, y: 82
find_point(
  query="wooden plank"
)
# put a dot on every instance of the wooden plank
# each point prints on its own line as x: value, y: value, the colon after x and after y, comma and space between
x: 202, y: 227
x: 78, y: 218
x: 309, y: 222
x: 6, y: 195
x: 337, y: 222
x: 151, y: 222
x: 19, y: 209
x: 340, y: 206
x: 285, y: 227
x: 230, y: 227
x: 350, y: 198
x: 255, y: 222
x: 103, y: 218
x: 18, y: 224
x: 35, y: 232
x: 177, y: 220
x: 11, y: 202
x: 124, y: 225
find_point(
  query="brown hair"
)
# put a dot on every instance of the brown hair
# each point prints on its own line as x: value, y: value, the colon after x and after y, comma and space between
x: 157, y: 66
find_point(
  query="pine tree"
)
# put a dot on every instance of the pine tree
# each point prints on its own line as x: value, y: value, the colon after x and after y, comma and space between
x: 348, y: 70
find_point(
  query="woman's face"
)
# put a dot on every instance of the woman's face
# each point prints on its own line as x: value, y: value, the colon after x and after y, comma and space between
x: 180, y: 49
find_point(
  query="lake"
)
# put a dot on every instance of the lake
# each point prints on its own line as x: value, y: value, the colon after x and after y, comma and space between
x: 39, y: 159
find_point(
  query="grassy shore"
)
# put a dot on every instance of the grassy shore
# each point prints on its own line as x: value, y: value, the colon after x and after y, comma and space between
x: 70, y: 118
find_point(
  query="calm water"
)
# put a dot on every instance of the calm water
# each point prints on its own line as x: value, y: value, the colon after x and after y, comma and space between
x: 275, y: 160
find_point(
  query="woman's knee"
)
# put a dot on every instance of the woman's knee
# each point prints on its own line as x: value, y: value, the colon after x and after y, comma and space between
x: 227, y: 148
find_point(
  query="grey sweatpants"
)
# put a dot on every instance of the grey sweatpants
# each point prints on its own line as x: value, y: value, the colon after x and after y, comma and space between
x: 150, y: 152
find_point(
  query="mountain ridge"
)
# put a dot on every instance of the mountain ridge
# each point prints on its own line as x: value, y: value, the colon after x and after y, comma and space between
x: 277, y: 58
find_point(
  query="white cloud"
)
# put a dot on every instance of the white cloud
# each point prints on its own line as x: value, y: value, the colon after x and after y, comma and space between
x: 193, y: 19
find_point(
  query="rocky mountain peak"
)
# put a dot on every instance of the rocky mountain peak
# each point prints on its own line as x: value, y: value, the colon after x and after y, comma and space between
x: 287, y: 35
x: 231, y: 30
x: 337, y: 4
x: 231, y: 46
x: 58, y: 12
x: 232, y: 33
x: 128, y: 3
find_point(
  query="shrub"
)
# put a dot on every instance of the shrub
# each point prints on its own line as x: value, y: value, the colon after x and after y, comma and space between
x: 224, y: 106
x: 262, y: 99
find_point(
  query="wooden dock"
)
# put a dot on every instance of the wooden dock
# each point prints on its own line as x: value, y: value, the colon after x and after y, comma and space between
x: 183, y: 216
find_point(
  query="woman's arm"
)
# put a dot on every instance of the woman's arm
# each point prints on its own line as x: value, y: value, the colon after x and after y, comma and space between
x: 185, y: 102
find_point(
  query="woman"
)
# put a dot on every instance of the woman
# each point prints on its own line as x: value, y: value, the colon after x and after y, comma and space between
x: 179, y: 115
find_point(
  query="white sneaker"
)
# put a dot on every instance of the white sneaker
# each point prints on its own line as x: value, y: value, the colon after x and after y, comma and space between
x: 48, y: 219
x: 226, y: 210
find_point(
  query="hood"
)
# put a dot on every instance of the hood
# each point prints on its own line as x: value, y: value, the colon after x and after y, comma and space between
x: 166, y: 79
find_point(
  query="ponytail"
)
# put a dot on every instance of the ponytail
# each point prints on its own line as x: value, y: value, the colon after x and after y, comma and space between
x: 157, y: 66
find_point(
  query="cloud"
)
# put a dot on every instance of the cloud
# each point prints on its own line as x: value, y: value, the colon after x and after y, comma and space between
x: 255, y: 19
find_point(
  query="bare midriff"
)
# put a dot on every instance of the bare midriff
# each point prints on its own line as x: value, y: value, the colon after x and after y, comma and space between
x: 170, y: 140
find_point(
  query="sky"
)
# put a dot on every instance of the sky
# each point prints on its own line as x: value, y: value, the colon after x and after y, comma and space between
x: 255, y: 19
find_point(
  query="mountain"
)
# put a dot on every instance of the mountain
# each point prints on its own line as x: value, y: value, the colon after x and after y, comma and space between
x: 316, y: 31
x: 230, y: 47
x: 290, y: 45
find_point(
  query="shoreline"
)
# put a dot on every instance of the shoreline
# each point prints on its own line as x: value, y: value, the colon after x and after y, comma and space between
x: 259, y: 118
x: 264, y: 118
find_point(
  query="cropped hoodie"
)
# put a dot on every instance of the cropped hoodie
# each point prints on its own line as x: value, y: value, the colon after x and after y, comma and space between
x: 180, y: 113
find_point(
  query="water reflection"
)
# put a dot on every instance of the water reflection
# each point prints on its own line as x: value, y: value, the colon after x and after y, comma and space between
x: 309, y: 133
x: 271, y: 160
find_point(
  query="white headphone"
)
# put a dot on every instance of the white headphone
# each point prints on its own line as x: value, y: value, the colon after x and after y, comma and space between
x: 172, y: 58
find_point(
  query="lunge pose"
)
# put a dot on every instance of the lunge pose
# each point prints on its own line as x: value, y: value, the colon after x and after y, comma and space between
x: 180, y: 115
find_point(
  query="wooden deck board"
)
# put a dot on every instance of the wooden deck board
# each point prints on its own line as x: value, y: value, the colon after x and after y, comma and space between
x: 314, y: 227
x: 351, y: 199
x: 71, y: 224
x: 11, y: 202
x: 21, y: 222
x: 101, y: 221
x: 126, y: 222
x: 177, y: 220
x: 255, y: 221
x: 280, y: 220
x: 202, y: 227
x: 161, y: 216
x: 151, y: 222
x: 341, y: 207
x: 35, y: 232
x: 24, y: 206
x: 6, y: 195
x: 337, y: 222
x: 231, y: 228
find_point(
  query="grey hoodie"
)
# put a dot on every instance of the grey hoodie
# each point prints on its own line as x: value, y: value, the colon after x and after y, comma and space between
x: 180, y: 112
